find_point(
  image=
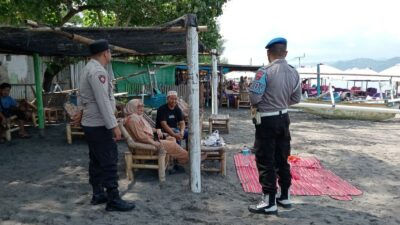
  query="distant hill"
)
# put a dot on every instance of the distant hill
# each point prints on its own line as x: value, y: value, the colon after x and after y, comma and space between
x: 377, y: 65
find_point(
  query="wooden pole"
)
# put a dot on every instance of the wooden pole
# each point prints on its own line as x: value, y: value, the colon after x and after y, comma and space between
x: 194, y: 125
x: 221, y: 83
x: 214, y: 96
x: 347, y: 107
x: 318, y: 79
x: 39, y: 99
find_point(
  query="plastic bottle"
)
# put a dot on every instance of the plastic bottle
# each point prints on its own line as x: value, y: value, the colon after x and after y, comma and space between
x: 246, y: 156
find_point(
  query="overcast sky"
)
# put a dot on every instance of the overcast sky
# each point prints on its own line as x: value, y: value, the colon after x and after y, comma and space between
x: 323, y: 30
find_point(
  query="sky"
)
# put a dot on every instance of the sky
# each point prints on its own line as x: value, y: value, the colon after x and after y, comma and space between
x: 321, y: 30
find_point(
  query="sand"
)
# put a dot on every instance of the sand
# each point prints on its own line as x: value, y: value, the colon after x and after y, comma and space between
x: 45, y: 181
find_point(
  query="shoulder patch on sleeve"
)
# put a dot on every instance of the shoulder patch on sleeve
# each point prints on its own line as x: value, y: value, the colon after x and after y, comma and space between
x: 260, y: 82
x: 259, y: 74
x: 102, y: 78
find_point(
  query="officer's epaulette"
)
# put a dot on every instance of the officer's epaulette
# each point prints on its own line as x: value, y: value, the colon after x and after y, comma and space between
x: 268, y: 66
x: 292, y: 66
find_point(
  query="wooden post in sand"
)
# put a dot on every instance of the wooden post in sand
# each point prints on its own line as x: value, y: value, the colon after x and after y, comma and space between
x: 194, y: 125
x: 39, y: 100
x: 214, y: 86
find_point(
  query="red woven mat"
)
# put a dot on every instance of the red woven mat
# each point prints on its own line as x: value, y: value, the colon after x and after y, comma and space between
x: 308, y: 178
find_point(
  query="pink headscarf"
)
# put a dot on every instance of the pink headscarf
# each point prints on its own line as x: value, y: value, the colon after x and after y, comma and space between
x: 131, y: 111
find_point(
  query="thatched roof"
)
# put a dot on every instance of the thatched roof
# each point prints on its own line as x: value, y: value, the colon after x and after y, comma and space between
x: 167, y: 39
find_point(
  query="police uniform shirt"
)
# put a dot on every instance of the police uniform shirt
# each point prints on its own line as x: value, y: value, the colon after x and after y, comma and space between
x: 96, y: 96
x: 275, y: 87
x: 172, y: 117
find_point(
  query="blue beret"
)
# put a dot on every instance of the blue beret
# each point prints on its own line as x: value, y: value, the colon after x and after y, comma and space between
x: 278, y: 40
x: 98, y: 46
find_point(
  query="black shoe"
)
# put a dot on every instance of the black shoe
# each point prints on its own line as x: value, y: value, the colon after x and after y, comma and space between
x: 283, y: 199
x: 284, y: 203
x: 98, y: 199
x: 267, y: 205
x: 177, y: 169
x: 119, y: 205
x: 115, y: 203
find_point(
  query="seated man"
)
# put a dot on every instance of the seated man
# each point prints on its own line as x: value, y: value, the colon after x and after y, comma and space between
x: 9, y: 107
x: 170, y: 118
x: 141, y: 131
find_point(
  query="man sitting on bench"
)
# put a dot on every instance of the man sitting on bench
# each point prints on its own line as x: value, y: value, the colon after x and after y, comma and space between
x: 170, y: 118
x: 9, y: 107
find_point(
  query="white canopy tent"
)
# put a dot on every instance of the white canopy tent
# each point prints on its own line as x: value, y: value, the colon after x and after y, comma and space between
x: 365, y: 74
x: 235, y: 75
x: 325, y: 71
x: 392, y: 71
x: 367, y: 78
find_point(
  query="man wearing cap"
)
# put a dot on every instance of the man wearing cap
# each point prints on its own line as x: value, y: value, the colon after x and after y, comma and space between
x: 99, y: 125
x: 275, y: 87
x: 170, y: 118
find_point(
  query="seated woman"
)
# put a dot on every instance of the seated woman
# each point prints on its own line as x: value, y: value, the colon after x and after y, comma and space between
x: 141, y: 131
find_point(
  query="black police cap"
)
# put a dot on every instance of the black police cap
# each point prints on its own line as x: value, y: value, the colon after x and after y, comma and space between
x: 98, y: 46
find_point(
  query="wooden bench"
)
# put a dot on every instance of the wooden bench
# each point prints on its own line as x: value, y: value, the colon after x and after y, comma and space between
x: 218, y: 122
x: 72, y: 129
x: 143, y: 156
x: 214, y: 153
x: 11, y: 126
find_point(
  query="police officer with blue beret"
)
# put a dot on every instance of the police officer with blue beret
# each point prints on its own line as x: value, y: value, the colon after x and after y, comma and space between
x: 99, y: 125
x: 275, y: 87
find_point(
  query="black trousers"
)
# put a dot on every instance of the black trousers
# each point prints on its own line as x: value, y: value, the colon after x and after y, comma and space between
x: 103, y: 154
x: 272, y: 151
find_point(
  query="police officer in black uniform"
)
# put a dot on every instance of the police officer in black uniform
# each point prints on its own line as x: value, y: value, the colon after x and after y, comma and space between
x: 100, y: 124
x: 275, y: 87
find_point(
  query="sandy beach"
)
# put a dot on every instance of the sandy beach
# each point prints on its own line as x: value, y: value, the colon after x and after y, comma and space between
x: 45, y: 180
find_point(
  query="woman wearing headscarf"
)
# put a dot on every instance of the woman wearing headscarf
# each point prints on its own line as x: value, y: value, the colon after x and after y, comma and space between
x: 141, y: 131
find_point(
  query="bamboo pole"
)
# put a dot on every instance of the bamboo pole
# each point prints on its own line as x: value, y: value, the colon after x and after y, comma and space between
x: 347, y: 107
x: 39, y: 98
x: 143, y: 72
x: 214, y: 99
x: 386, y: 76
x: 77, y: 38
x: 194, y: 126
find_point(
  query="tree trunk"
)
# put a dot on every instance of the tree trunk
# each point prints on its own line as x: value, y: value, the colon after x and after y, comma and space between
x: 52, y: 70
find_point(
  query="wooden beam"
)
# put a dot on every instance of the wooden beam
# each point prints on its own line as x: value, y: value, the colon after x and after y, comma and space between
x: 76, y: 37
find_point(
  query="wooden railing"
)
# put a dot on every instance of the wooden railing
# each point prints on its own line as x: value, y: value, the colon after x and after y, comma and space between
x: 23, y: 91
x: 136, y: 90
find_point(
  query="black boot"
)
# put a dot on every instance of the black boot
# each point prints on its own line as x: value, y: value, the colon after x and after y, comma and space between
x: 284, y: 198
x: 99, y: 196
x: 267, y: 205
x: 115, y: 203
